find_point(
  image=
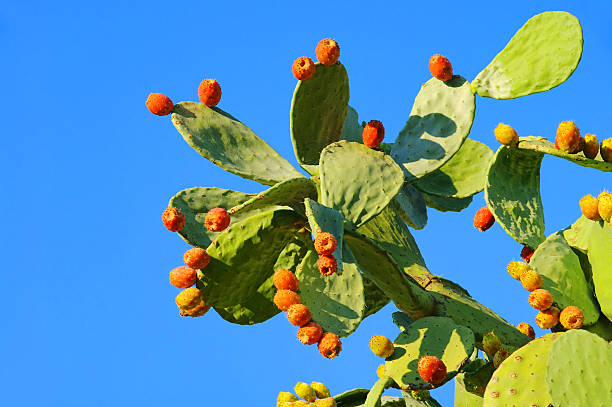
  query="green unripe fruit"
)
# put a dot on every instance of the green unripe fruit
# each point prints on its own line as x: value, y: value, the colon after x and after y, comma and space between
x: 499, y: 357
x: 381, y: 346
x: 491, y: 343
x: 320, y: 390
x: 303, y: 390
x: 285, y: 397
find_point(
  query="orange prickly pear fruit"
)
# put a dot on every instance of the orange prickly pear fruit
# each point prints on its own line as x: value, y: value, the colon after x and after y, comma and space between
x: 182, y: 277
x: 591, y: 146
x: 517, y: 268
x: 327, y: 51
x: 173, y: 219
x: 568, y: 137
x: 381, y: 346
x: 298, y: 314
x: 325, y: 243
x: 604, y: 205
x: 548, y: 318
x: 499, y: 357
x: 588, y: 207
x: 209, y: 92
x: 321, y: 390
x: 159, y: 104
x: 196, y: 258
x: 328, y: 265
x: 540, y: 299
x: 506, y: 135
x: 432, y: 369
x: 191, y: 302
x: 373, y: 134
x: 310, y: 333
x: 531, y: 280
x: 526, y: 253
x: 284, y: 279
x: 483, y: 219
x: 217, y: 219
x: 571, y: 317
x: 527, y: 329
x: 440, y: 67
x: 330, y: 345
x: 303, y: 68
x: 304, y: 391
x: 283, y: 299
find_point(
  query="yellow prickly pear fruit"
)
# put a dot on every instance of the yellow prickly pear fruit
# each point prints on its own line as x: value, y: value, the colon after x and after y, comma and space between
x: 606, y: 150
x: 380, y: 371
x: 531, y: 280
x: 285, y: 397
x: 325, y: 402
x: 604, y: 205
x: 189, y: 298
x: 300, y: 403
x: 320, y: 389
x: 491, y: 343
x: 499, y: 357
x: 381, y: 346
x: 548, y: 318
x: 506, y: 135
x: 517, y: 268
x: 303, y: 390
x: 591, y: 146
x: 589, y: 207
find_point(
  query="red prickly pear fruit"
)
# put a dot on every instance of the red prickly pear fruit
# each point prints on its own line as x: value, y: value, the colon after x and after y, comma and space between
x: 491, y: 343
x: 217, y: 219
x: 330, y: 345
x: 373, y: 134
x: 517, y: 268
x: 159, y: 104
x: 499, y: 357
x: 604, y: 205
x: 540, y: 299
x: 568, y: 137
x: 310, y: 333
x: 321, y: 390
x: 327, y: 51
x: 526, y: 253
x: 173, y: 219
x: 328, y: 265
x: 571, y: 317
x: 591, y: 146
x: 325, y: 243
x: 548, y: 318
x: 483, y: 219
x: 196, y: 258
x: 303, y: 68
x: 182, y: 277
x: 432, y: 369
x: 506, y: 135
x: 588, y: 207
x: 380, y: 371
x: 381, y: 346
x: 304, y: 391
x: 298, y: 314
x: 209, y: 92
x: 440, y: 67
x: 606, y: 150
x: 531, y: 280
x: 526, y: 329
x: 283, y: 299
x: 284, y: 279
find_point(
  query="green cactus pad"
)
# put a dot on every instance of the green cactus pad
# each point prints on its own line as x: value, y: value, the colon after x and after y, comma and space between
x: 229, y: 144
x: 560, y: 269
x: 578, y: 370
x: 512, y: 193
x: 475, y: 377
x: 541, y: 145
x: 373, y: 399
x: 352, y: 130
x: 402, y: 320
x: 463, y: 175
x: 432, y: 336
x: 412, y: 402
x: 446, y: 204
x: 336, y: 302
x: 358, y: 181
x: 464, y: 398
x: 579, y: 234
x: 603, y: 328
x: 600, y: 257
x: 375, y: 298
x: 520, y: 380
x: 440, y: 120
x: 352, y: 398
x: 324, y: 219
x: 243, y: 256
x: 318, y: 112
x: 410, y: 204
x: 540, y: 56
x: 196, y: 202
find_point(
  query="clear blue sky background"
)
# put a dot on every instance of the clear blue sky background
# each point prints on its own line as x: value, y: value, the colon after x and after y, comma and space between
x: 87, y: 314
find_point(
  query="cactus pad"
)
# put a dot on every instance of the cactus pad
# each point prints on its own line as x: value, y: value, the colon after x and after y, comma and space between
x: 375, y: 298
x: 440, y: 120
x: 324, y: 219
x: 410, y: 401
x: 579, y: 234
x: 540, y: 56
x: 410, y: 204
x: 352, y: 130
x: 229, y: 144
x: 373, y: 399
x: 464, y: 398
x: 351, y: 398
x: 447, y: 204
x: 402, y: 320
x: 600, y: 257
x: 540, y: 144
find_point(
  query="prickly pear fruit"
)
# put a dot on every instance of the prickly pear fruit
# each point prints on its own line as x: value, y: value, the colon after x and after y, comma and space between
x: 440, y: 67
x: 517, y: 268
x: 506, y: 135
x: 285, y: 397
x: 499, y: 357
x: 191, y: 302
x: 527, y: 329
x: 327, y: 265
x: 196, y: 258
x: 571, y: 317
x: 526, y: 253
x: 284, y: 279
x: 310, y: 333
x: 540, y: 299
x: 491, y: 343
x: 604, y: 206
x: 606, y: 150
x: 588, y: 206
x: 568, y: 137
x: 304, y: 391
x: 173, y: 219
x: 303, y: 68
x: 548, y: 318
x: 217, y: 219
x: 196, y: 311
x: 373, y: 134
x: 325, y: 243
x: 381, y: 346
x: 591, y: 146
x: 209, y: 92
x: 298, y: 314
x: 327, y: 51
x: 182, y: 277
x: 159, y: 104
x: 300, y: 403
x: 380, y: 370
x: 330, y: 345
x: 283, y: 299
x: 432, y: 369
x: 483, y: 219
x: 325, y: 402
x: 420, y: 395
x: 321, y: 390
x: 531, y: 280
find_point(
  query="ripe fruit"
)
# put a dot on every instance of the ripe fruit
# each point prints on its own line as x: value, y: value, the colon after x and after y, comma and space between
x: 606, y: 150
x: 182, y: 277
x: 571, y: 317
x: 298, y: 314
x: 588, y: 207
x: 325, y: 402
x: 499, y: 357
x: 310, y: 333
x: 159, y: 104
x: 540, y: 299
x: 216, y: 219
x: 327, y: 265
x: 506, y: 135
x: 432, y: 369
x: 491, y: 343
x: 568, y: 137
x: 381, y: 346
x: 531, y: 280
x: 321, y: 390
x: 483, y: 219
x: 209, y: 92
x: 380, y: 370
x: 285, y: 397
x: 548, y: 318
x: 303, y: 68
x: 604, y: 205
x: 191, y: 303
x: 526, y: 253
x: 330, y: 345
x: 303, y: 390
x: 196, y: 311
x: 440, y: 67
x: 373, y: 134
x: 325, y: 243
x: 173, y: 219
x: 527, y: 329
x: 283, y: 299
x: 196, y: 258
x: 517, y: 268
x: 328, y: 51
x: 591, y: 146
x: 284, y: 279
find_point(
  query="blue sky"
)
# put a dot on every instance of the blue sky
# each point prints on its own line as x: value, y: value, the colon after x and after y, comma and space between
x: 87, y: 312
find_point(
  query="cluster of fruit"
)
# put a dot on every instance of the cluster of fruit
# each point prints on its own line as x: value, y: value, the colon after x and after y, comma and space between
x: 209, y: 93
x: 316, y: 394
x: 597, y: 209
